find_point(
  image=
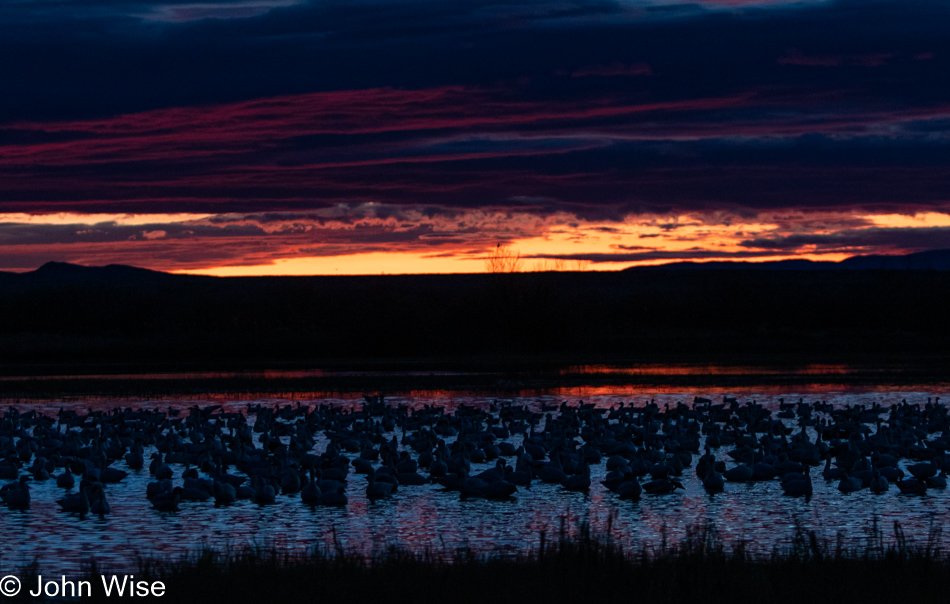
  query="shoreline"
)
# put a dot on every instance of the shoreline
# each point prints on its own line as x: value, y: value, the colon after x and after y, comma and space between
x: 480, y: 377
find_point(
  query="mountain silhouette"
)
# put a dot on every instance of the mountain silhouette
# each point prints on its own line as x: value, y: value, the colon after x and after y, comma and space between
x: 933, y: 260
x: 64, y: 271
x: 120, y: 274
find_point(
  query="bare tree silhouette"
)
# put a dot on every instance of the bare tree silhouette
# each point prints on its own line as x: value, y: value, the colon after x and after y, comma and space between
x: 581, y: 265
x: 503, y: 259
x: 548, y: 265
x: 561, y: 264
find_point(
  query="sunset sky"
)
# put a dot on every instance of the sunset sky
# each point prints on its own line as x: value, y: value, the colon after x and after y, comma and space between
x: 368, y: 136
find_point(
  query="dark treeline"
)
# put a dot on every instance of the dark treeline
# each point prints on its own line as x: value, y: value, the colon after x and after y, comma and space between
x: 75, y: 315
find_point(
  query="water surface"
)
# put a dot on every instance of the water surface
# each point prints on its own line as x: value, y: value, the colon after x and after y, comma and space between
x: 427, y: 518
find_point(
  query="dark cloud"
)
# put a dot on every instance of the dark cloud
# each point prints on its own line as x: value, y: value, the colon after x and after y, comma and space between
x: 12, y: 234
x: 694, y: 254
x: 901, y: 239
x: 613, y: 70
x: 416, y: 113
x: 455, y: 148
x: 96, y: 58
x: 794, y: 57
x: 254, y: 239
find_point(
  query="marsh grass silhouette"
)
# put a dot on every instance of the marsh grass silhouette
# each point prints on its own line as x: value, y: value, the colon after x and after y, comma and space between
x: 579, y: 568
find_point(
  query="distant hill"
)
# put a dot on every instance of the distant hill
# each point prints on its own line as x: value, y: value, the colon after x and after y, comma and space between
x: 119, y: 274
x: 65, y: 272
x: 933, y: 260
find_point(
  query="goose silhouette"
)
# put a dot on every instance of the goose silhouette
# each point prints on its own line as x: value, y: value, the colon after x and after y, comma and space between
x: 519, y: 478
x: 879, y: 484
x: 713, y: 481
x: 135, y: 458
x: 290, y: 482
x: 553, y: 472
x: 937, y: 482
x: 224, y: 493
x: 579, y: 481
x: 740, y: 473
x: 438, y: 467
x: 362, y: 466
x: 378, y: 490
x: 922, y: 471
x: 77, y: 503
x: 630, y: 489
x: 310, y: 493
x: 849, y: 484
x: 98, y: 504
x: 830, y: 473
x: 334, y: 498
x: 39, y: 471
x: 798, y: 485
x: 110, y: 475
x: 471, y: 487
x: 16, y: 495
x: 663, y: 486
x: 66, y: 480
x: 615, y: 478
x: 159, y: 468
x: 493, y: 474
x: 451, y: 482
x: 167, y: 501
x: 194, y: 490
x: 10, y: 468
x: 912, y: 486
x: 265, y: 493
x: 499, y: 490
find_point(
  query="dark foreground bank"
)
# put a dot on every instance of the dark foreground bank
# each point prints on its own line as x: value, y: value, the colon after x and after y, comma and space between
x: 580, y: 569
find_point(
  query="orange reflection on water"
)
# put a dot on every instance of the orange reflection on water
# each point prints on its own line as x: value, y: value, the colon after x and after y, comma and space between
x: 681, y: 369
x: 266, y: 374
x: 196, y: 375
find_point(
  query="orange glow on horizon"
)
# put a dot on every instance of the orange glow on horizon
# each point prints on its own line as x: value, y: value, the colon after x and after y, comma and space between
x: 683, y: 235
x: 412, y: 264
x: 376, y: 263
x: 928, y: 219
x: 238, y: 245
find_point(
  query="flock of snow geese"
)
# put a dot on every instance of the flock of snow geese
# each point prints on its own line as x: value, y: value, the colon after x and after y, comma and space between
x: 272, y: 452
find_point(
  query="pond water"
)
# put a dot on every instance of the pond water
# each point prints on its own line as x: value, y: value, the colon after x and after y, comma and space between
x: 428, y: 518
